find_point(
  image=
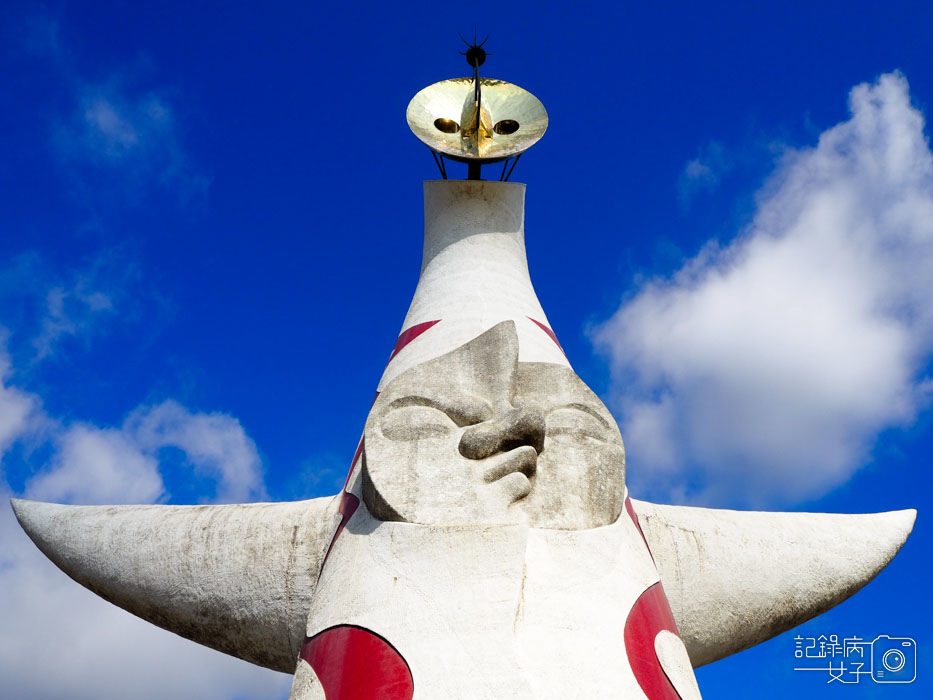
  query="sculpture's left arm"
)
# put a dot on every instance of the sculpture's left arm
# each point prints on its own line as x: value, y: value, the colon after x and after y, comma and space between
x: 237, y: 578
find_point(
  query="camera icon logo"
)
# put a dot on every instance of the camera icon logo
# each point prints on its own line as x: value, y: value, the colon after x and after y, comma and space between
x: 893, y: 659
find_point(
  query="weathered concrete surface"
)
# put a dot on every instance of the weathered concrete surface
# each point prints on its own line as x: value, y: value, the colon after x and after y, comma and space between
x: 477, y: 437
x: 305, y: 685
x: 237, y: 578
x: 674, y: 660
x: 474, y: 274
x: 736, y: 578
x: 503, y: 611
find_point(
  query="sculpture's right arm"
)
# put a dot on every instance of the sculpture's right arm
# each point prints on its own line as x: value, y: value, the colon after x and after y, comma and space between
x: 736, y: 578
x: 237, y: 578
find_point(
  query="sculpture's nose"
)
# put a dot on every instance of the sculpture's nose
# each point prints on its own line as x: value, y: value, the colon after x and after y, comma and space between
x: 512, y: 428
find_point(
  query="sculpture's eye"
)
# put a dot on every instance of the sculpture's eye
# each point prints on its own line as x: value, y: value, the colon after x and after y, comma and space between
x: 410, y: 423
x: 506, y: 126
x: 575, y: 422
x: 449, y: 126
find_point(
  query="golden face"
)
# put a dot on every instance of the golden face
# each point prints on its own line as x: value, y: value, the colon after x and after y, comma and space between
x: 443, y: 116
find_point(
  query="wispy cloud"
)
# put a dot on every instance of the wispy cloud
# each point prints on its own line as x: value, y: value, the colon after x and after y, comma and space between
x: 69, y: 311
x: 49, y: 304
x: 129, y: 133
x: 765, y: 370
x: 703, y: 173
x: 119, y: 126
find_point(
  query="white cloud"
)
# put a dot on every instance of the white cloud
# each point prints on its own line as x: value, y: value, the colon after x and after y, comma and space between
x: 214, y: 443
x: 17, y: 408
x: 766, y: 369
x: 95, y: 466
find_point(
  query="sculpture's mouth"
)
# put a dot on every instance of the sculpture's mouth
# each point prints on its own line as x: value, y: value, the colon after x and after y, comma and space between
x: 513, y: 470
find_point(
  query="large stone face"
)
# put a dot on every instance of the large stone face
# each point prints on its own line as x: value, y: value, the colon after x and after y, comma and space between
x: 476, y: 437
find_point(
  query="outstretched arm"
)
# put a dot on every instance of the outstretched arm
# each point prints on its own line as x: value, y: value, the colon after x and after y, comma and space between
x: 237, y: 578
x: 737, y: 578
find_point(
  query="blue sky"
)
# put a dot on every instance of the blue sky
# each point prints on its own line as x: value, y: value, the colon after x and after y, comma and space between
x: 210, y: 231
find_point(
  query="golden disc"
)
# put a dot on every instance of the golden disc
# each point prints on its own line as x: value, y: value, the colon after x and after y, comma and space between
x: 443, y: 116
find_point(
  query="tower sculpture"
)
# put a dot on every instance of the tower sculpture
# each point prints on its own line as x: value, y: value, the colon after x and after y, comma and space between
x: 484, y: 544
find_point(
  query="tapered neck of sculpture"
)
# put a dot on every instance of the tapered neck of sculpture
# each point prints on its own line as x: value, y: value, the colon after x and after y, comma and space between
x: 456, y: 210
x: 474, y: 275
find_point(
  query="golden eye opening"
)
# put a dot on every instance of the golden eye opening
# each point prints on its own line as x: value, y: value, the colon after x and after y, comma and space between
x: 506, y: 126
x: 448, y: 126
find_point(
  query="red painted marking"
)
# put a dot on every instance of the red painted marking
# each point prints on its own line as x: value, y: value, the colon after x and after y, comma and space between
x: 650, y: 614
x: 546, y: 330
x: 356, y: 457
x: 634, y: 516
x: 348, y: 503
x: 409, y: 334
x: 353, y: 663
